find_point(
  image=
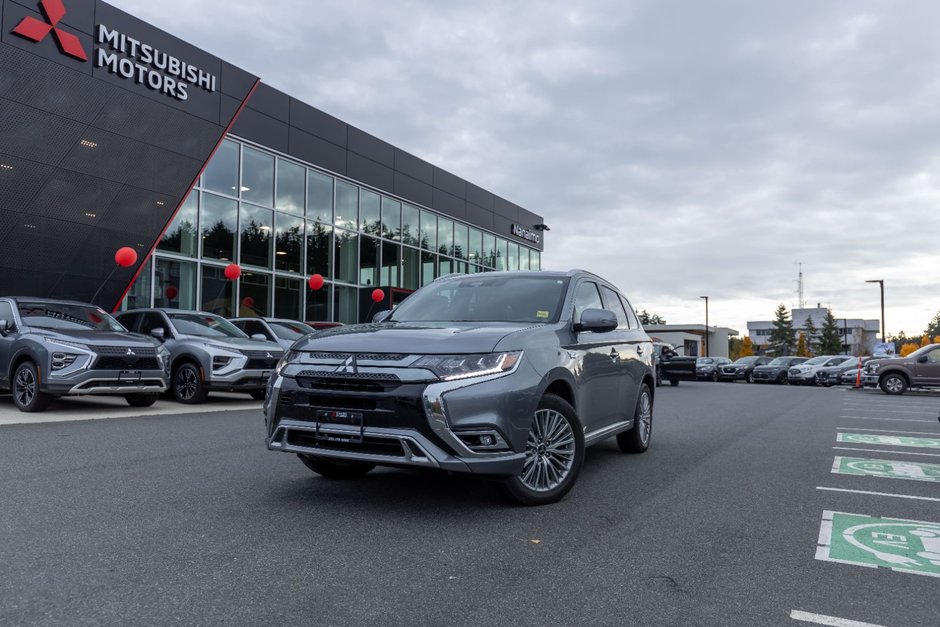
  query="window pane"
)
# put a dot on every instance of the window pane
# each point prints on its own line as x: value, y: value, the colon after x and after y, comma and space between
x: 346, y: 256
x: 217, y: 221
x: 257, y: 176
x: 513, y: 256
x: 346, y: 303
x: 475, y: 247
x: 319, y: 246
x: 255, y: 291
x: 320, y: 304
x: 288, y: 243
x: 218, y: 293
x: 180, y: 238
x: 535, y: 260
x: 138, y: 295
x: 499, y: 255
x: 391, y: 253
x: 391, y: 219
x: 221, y: 174
x: 445, y: 236
x: 428, y: 230
x: 428, y: 267
x: 256, y: 236
x: 523, y: 258
x: 368, y: 260
x: 410, y: 268
x: 175, y: 284
x: 445, y: 265
x: 347, y: 205
x: 461, y: 240
x: 319, y: 197
x: 410, y: 233
x: 370, y: 220
x: 287, y: 294
x: 290, y: 186
x: 489, y: 250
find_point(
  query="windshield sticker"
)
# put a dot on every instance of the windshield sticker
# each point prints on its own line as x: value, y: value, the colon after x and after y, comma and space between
x: 541, y: 314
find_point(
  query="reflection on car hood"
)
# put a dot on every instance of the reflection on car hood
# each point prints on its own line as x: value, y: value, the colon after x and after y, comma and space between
x: 97, y: 338
x: 412, y: 337
x: 766, y: 368
x: 238, y: 343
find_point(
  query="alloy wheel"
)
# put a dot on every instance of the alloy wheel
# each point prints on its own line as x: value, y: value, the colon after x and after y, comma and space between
x: 550, y: 451
x: 894, y: 385
x: 645, y: 417
x: 25, y: 387
x: 186, y: 383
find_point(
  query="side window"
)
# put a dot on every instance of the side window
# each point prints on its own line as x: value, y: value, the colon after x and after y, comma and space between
x: 613, y: 303
x: 239, y: 323
x: 631, y: 316
x: 253, y: 327
x: 129, y: 321
x: 153, y: 321
x: 6, y: 313
x: 932, y: 357
x: 587, y: 297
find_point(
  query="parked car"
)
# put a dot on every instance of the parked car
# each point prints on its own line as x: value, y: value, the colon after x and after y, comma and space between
x: 671, y: 366
x: 776, y: 370
x: 706, y: 368
x: 284, y: 332
x: 806, y: 372
x: 51, y: 348
x: 742, y: 369
x: 828, y: 376
x: 322, y: 324
x: 896, y: 375
x: 207, y: 352
x: 506, y: 375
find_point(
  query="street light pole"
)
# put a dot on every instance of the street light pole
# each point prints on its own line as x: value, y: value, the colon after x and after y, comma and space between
x: 881, y: 284
x: 706, y: 324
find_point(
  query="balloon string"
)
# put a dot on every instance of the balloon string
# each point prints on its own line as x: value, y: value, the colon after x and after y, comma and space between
x: 105, y: 282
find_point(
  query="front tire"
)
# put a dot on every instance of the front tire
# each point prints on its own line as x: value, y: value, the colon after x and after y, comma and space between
x: 26, y: 394
x: 554, y: 454
x: 141, y: 400
x: 637, y: 439
x: 749, y: 377
x: 188, y: 387
x: 336, y: 469
x: 715, y: 377
x: 893, y: 384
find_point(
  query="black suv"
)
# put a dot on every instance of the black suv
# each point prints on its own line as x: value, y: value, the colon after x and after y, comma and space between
x: 742, y: 369
x: 52, y: 348
x: 507, y: 375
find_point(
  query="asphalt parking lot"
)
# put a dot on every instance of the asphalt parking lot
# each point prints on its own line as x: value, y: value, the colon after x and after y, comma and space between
x: 756, y: 505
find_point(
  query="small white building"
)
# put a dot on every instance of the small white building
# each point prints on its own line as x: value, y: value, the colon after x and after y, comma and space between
x: 858, y: 336
x: 689, y: 339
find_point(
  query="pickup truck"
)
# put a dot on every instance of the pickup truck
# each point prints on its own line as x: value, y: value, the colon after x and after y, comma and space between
x: 920, y: 369
x: 671, y: 366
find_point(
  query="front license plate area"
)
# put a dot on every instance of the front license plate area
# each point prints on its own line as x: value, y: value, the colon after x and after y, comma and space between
x: 129, y: 376
x: 349, y: 421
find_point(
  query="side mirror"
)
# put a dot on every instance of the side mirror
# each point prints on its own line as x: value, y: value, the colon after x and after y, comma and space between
x: 260, y: 337
x: 922, y: 359
x: 382, y: 316
x: 4, y: 327
x: 158, y: 333
x: 596, y: 320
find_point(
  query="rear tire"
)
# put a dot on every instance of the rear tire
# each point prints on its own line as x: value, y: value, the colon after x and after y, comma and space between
x: 141, y: 400
x: 26, y: 394
x: 637, y: 439
x: 188, y: 387
x: 893, y: 383
x: 335, y: 468
x: 554, y: 454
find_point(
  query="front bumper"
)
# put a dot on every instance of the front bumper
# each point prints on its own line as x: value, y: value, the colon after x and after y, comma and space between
x: 869, y: 380
x: 106, y: 382
x: 240, y: 381
x: 737, y: 375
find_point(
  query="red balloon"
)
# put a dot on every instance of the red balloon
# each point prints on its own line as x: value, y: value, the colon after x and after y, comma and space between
x: 125, y: 257
x: 248, y: 301
x: 232, y: 271
x: 171, y: 292
x: 316, y: 281
x: 378, y: 295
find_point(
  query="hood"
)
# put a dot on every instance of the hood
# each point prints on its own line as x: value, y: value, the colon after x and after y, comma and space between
x: 239, y: 343
x: 98, y: 338
x: 426, y: 338
x: 766, y: 368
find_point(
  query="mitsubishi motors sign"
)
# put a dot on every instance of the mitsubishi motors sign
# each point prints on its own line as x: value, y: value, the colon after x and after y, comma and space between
x: 37, y: 30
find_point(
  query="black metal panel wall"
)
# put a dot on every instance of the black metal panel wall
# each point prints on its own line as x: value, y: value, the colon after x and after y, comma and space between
x: 274, y: 119
x: 89, y: 160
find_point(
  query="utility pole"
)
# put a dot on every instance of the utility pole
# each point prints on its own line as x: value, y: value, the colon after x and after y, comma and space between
x: 799, y: 289
x: 881, y: 284
x: 706, y: 325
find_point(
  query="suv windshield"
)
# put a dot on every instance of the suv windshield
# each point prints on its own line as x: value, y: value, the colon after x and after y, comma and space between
x: 204, y: 325
x: 780, y: 361
x: 67, y: 317
x: 704, y: 360
x: 290, y: 330
x: 815, y: 361
x: 499, y: 298
x: 746, y: 360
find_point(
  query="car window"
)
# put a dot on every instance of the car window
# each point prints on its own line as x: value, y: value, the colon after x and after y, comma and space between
x: 614, y: 305
x: 934, y: 356
x: 67, y: 317
x: 586, y: 297
x: 205, y: 325
x: 290, y: 330
x: 255, y: 327
x: 6, y: 313
x: 152, y: 320
x: 129, y: 320
x: 631, y: 316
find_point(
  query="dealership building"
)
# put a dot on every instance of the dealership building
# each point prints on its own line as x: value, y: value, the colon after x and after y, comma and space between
x: 116, y: 134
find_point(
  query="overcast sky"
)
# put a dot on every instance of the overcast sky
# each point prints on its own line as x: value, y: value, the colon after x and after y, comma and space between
x: 678, y: 149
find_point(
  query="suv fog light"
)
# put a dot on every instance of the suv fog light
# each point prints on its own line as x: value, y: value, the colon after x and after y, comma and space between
x: 220, y: 362
x: 487, y: 440
x: 62, y: 360
x: 483, y: 441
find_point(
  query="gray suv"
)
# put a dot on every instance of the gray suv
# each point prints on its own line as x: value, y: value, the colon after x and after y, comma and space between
x: 52, y: 348
x: 207, y: 352
x: 503, y: 375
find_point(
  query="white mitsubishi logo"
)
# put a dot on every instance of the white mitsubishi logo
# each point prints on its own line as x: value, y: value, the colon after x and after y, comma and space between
x: 349, y: 366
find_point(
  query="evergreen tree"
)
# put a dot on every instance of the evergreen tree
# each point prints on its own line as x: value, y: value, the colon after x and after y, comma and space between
x: 648, y: 318
x: 811, y: 336
x: 830, y: 340
x: 933, y: 327
x: 781, y: 337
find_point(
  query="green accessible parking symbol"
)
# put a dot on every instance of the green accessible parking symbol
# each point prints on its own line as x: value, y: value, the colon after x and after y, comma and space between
x: 890, y: 469
x: 911, y: 546
x: 888, y: 440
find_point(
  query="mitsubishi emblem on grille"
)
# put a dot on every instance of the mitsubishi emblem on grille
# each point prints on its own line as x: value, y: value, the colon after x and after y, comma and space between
x: 349, y: 366
x: 131, y: 353
x: 270, y: 356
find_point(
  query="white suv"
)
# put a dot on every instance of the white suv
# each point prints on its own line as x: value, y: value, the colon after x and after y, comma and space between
x: 806, y: 371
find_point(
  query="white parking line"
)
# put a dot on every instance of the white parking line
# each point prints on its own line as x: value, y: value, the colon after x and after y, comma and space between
x: 822, y: 619
x: 875, y: 450
x: 897, y: 496
x: 878, y: 410
x: 892, y: 431
x: 886, y: 419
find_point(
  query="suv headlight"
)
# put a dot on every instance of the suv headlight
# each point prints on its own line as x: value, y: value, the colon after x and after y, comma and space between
x: 163, y: 356
x: 289, y: 357
x: 873, y: 367
x: 450, y: 367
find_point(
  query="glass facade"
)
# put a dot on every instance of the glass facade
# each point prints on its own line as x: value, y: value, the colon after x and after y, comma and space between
x: 283, y: 221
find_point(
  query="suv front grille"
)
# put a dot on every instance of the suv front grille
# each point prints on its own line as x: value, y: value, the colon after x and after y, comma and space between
x: 262, y: 364
x: 372, y: 445
x: 126, y: 363
x: 122, y: 351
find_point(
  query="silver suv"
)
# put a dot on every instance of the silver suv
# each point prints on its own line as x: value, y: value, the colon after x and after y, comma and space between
x: 52, y: 348
x: 506, y: 375
x: 207, y: 352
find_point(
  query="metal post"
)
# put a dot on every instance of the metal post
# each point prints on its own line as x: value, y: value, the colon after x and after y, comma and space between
x: 881, y: 284
x: 706, y: 325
